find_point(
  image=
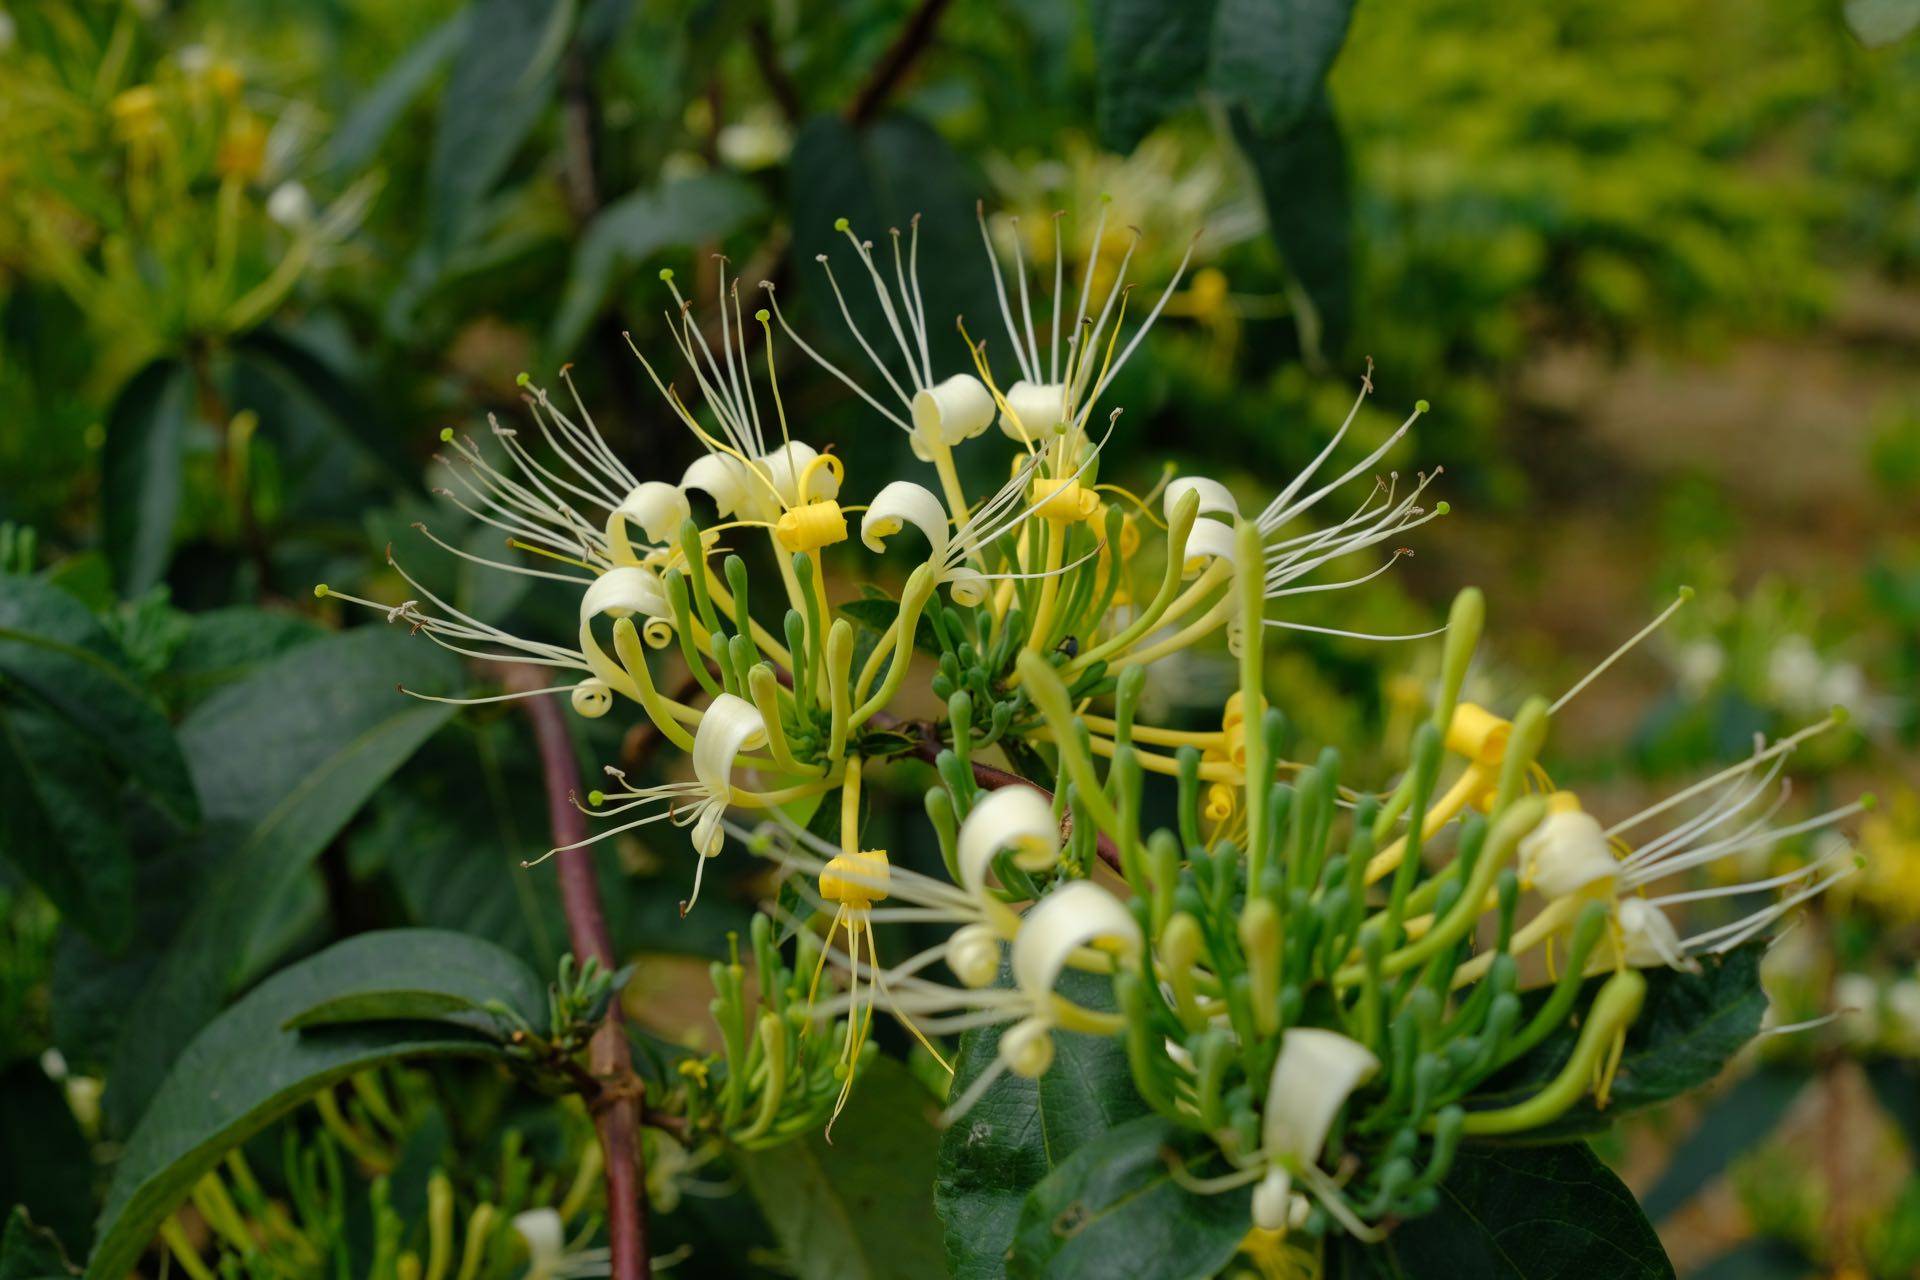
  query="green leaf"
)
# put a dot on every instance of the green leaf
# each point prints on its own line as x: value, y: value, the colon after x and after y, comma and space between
x: 857, y: 1210
x: 1114, y: 1203
x: 503, y: 79
x: 75, y: 727
x: 59, y: 651
x: 1301, y: 167
x: 1532, y: 1213
x: 1271, y: 57
x: 29, y: 1253
x: 876, y: 613
x: 46, y: 1164
x: 1896, y: 1083
x: 248, y: 1067
x: 54, y: 826
x: 1020, y: 1130
x: 1731, y: 1125
x: 352, y: 418
x: 637, y: 226
x: 1688, y: 1030
x: 141, y: 472
x: 359, y: 135
x: 1268, y: 58
x: 225, y: 645
x: 878, y: 177
x: 426, y: 975
x: 282, y: 761
x: 1151, y: 56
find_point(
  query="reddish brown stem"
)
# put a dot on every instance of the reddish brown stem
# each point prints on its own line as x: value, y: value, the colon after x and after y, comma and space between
x: 927, y: 745
x: 895, y: 62
x: 618, y: 1101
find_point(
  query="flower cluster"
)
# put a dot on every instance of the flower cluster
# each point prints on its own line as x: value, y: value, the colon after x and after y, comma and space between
x: 1315, y: 977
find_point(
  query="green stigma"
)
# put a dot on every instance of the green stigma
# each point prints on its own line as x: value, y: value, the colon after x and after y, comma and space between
x: 1420, y: 406
x: 320, y: 591
x: 841, y: 224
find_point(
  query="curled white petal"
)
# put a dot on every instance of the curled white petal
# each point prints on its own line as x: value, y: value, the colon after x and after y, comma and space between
x: 624, y: 591
x: 904, y: 502
x: 1276, y: 1205
x: 787, y: 466
x: 657, y: 507
x: 1647, y: 938
x: 1027, y: 1047
x: 1074, y: 915
x: 546, y: 1238
x: 728, y: 727
x: 957, y: 409
x: 1215, y: 498
x: 1017, y: 818
x: 591, y: 698
x: 1210, y: 540
x: 973, y: 953
x: 1313, y: 1076
x: 721, y: 478
x: 1567, y: 852
x: 1038, y: 407
x: 968, y: 587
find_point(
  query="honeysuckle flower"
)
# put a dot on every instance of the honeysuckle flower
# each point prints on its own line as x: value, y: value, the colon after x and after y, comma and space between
x: 729, y: 726
x: 1314, y: 1074
x: 544, y: 1233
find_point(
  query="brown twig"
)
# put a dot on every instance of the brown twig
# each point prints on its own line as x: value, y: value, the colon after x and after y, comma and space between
x: 618, y: 1097
x: 895, y: 62
x: 765, y: 56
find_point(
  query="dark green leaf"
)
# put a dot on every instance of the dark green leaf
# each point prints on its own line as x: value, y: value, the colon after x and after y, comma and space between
x: 352, y: 418
x: 639, y: 225
x: 353, y: 144
x: 1113, y: 1205
x: 1304, y: 183
x: 1896, y: 1083
x: 282, y: 760
x: 1271, y: 57
x: 1151, y: 57
x: 1533, y: 1213
x: 29, y: 1253
x: 503, y: 78
x: 246, y: 1068
x: 1732, y: 1124
x: 59, y: 651
x: 876, y: 614
x: 1020, y: 1130
x: 140, y: 475
x: 426, y: 975
x: 857, y: 1210
x: 46, y: 1165
x: 878, y: 177
x: 225, y: 645
x: 1689, y: 1028
x: 54, y: 826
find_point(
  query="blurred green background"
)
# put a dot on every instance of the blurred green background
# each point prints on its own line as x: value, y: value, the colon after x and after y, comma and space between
x: 1656, y: 267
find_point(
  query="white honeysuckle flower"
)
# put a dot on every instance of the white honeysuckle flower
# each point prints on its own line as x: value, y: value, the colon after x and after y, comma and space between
x: 728, y: 726
x: 1312, y: 1078
x: 657, y: 507
x: 290, y: 206
x: 902, y: 502
x: 1053, y: 391
x: 1276, y: 1205
x: 954, y: 410
x: 544, y: 1233
x: 1016, y: 818
x: 1795, y: 673
x: 1566, y: 853
x: 1648, y: 939
x: 1698, y: 665
x: 1076, y: 915
x: 759, y: 141
x: 721, y: 478
x: 1208, y: 541
x: 1034, y: 411
x: 1215, y: 498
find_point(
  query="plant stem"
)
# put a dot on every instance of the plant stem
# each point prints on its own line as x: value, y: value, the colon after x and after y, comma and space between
x: 619, y: 1098
x: 896, y: 62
